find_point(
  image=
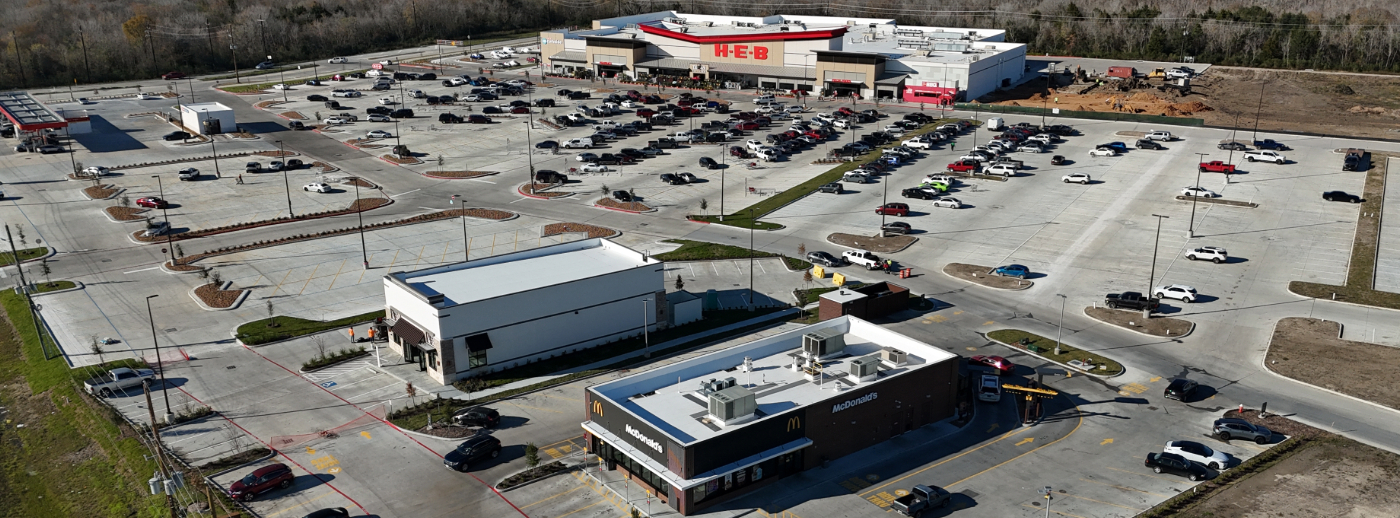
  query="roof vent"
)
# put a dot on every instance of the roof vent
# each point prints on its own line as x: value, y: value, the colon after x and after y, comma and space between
x: 865, y: 368
x: 823, y: 343
x: 733, y: 405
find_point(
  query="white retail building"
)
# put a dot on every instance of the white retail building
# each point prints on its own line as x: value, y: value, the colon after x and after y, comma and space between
x: 208, y: 118
x: 486, y: 315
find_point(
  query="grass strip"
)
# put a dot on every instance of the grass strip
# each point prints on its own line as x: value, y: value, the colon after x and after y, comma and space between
x: 1361, y: 271
x: 741, y: 218
x: 706, y: 251
x: 8, y: 258
x: 810, y: 295
x: 258, y: 331
x: 333, y: 358
x: 416, y: 416
x: 45, y: 287
x: 1046, y: 348
x: 243, y: 89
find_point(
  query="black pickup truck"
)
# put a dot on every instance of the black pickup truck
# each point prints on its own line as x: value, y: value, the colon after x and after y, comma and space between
x: 1130, y: 300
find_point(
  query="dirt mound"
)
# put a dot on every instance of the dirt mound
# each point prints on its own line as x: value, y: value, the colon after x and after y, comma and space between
x: 1376, y: 110
x: 1191, y: 107
x: 1144, y: 97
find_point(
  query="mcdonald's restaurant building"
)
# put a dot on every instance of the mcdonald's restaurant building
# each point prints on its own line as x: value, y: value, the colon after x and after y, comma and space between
x: 706, y: 430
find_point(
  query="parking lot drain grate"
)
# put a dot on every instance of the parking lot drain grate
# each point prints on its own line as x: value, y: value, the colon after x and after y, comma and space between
x: 971, y: 494
x: 171, y: 330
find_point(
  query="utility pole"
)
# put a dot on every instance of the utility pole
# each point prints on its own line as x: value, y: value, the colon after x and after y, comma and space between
x: 359, y: 214
x: 209, y: 36
x: 213, y: 147
x: 282, y: 152
x: 160, y: 457
x: 466, y: 245
x: 170, y: 229
x: 530, y: 153
x: 87, y: 70
x: 165, y: 394
x: 1257, y: 109
x: 1152, y: 277
x: 151, y: 45
x: 233, y: 52
x: 262, y: 28
x: 1191, y: 226
x: 1061, y: 332
x: 1046, y: 98
x: 19, y: 61
x: 24, y: 287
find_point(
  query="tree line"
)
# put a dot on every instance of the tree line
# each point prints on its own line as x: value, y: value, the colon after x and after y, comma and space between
x: 95, y: 41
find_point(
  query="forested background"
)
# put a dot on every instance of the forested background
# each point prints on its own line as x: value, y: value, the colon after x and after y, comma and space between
x: 55, y: 42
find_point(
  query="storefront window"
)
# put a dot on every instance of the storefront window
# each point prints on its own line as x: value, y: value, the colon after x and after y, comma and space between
x: 476, y: 359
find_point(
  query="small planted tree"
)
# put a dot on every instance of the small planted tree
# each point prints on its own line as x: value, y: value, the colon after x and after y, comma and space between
x: 45, y: 271
x: 680, y: 284
x: 96, y: 348
x: 271, y: 321
x: 216, y: 278
x: 411, y: 391
x: 807, y: 277
x: 705, y: 206
x: 802, y: 250
x: 179, y: 252
x: 605, y: 190
x: 125, y: 201
x: 320, y: 342
x: 532, y: 456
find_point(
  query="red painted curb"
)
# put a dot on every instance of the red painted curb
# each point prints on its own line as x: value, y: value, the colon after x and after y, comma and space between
x: 523, y: 193
x: 697, y: 221
x: 621, y: 210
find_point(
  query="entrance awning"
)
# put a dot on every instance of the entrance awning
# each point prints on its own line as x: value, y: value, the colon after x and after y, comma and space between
x: 407, y: 332
x: 684, y: 484
x: 891, y: 80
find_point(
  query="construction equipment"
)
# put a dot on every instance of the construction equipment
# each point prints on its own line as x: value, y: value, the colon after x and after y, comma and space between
x: 1157, y: 73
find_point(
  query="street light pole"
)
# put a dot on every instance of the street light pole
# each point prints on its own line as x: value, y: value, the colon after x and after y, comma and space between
x: 530, y: 153
x: 164, y: 394
x: 166, y: 215
x: 359, y: 214
x: 1046, y: 99
x: 1061, y: 332
x: 262, y: 28
x: 282, y: 152
x: 1259, y: 109
x: 751, y: 225
x: 213, y: 148
x: 1147, y: 310
x: 282, y: 78
x: 466, y: 245
x: 1191, y: 226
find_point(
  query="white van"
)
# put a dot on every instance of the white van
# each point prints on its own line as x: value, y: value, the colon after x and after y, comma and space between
x: 585, y: 143
x: 995, y: 124
x: 764, y: 99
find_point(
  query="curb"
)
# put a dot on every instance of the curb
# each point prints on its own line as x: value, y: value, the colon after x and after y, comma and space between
x: 163, y: 268
x: 1027, y: 351
x: 90, y: 198
x: 615, y: 209
x: 109, y: 217
x: 236, y: 302
x: 424, y: 435
x: 354, y: 357
x: 567, y: 469
x: 1290, y: 292
x: 1180, y: 336
x: 77, y: 286
x: 50, y: 253
x: 905, y: 247
x: 944, y: 271
x: 490, y: 173
x: 271, y: 453
x: 234, y: 333
x: 521, y: 190
x: 1263, y: 363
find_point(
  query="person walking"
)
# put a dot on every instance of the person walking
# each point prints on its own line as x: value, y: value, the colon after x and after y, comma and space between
x: 240, y: 179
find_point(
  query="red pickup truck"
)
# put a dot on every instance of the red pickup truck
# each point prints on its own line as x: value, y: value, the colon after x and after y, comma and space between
x: 963, y: 166
x: 1216, y: 166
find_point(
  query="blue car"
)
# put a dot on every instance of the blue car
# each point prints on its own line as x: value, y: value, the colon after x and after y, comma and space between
x: 1012, y: 270
x: 1116, y: 146
x: 890, y: 159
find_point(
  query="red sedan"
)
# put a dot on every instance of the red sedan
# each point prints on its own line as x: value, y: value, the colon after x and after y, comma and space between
x: 520, y: 110
x: 172, y: 75
x: 1003, y: 366
x: 746, y: 126
x: 152, y: 202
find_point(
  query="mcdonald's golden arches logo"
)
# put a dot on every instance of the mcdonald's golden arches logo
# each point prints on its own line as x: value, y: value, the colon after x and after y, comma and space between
x: 794, y: 423
x: 598, y: 408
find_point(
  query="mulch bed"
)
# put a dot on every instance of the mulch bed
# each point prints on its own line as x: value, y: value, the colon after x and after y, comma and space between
x: 214, y: 297
x: 294, y: 115
x: 263, y: 105
x: 126, y: 213
x: 460, y: 174
x: 356, y: 181
x: 879, y: 245
x: 277, y: 154
x: 1275, y: 423
x: 100, y: 192
x: 633, y: 206
x: 1155, y: 326
x: 173, y: 235
x: 183, y: 265
x: 364, y: 204
x: 1309, y: 350
x: 541, y: 471
x: 978, y: 275
x: 448, y: 431
x: 325, y: 168
x: 402, y: 161
x: 593, y: 231
x: 491, y: 214
x: 542, y: 190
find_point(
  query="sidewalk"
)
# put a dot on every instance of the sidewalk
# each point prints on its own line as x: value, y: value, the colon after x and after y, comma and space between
x: 392, y: 364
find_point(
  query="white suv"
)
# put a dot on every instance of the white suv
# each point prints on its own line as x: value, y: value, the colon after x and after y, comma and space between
x: 1197, y: 452
x: 1180, y: 292
x: 1208, y: 253
x: 1264, y: 155
x: 1160, y: 135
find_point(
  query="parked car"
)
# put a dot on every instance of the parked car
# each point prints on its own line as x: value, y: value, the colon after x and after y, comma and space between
x: 1264, y: 155
x: 1232, y: 146
x: 1057, y: 160
x: 176, y: 135
x: 261, y: 480
x: 833, y: 187
x: 378, y: 134
x: 708, y: 163
x: 1103, y: 151
x: 823, y: 258
x: 1233, y: 428
x: 1148, y: 144
x: 1001, y: 366
x: 1181, y: 389
x: 1012, y: 270
x: 920, y: 499
x: 1198, y: 191
x: 947, y: 203
x: 623, y: 196
x: 1197, y: 452
x: 471, y: 450
x: 1079, y: 178
x: 1341, y: 196
x: 893, y: 209
x: 1175, y: 464
x: 188, y: 173
x: 1180, y: 292
x: 118, y: 380
x: 477, y: 416
x: 330, y: 512
x: 1214, y: 254
x: 1130, y: 300
x: 252, y: 167
x: 151, y: 202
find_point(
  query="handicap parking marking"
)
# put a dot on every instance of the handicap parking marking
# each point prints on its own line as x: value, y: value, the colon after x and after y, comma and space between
x: 327, y: 384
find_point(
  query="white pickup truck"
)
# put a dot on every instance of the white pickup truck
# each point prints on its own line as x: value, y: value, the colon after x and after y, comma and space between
x: 117, y: 380
x: 1264, y: 155
x: 862, y: 258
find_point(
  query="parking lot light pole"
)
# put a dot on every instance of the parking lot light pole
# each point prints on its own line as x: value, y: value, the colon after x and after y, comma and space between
x: 164, y: 394
x: 530, y: 154
x: 282, y: 78
x: 466, y: 245
x: 1191, y: 226
x: 283, y: 153
x: 1046, y: 98
x: 397, y: 142
x: 1061, y: 332
x: 1258, y: 109
x: 1147, y: 310
x: 359, y: 214
x: 751, y: 225
x: 166, y: 215
x: 190, y: 83
x: 213, y: 148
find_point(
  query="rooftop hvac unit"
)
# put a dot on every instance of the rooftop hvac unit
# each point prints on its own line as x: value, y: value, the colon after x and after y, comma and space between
x: 893, y: 356
x: 709, y: 24
x: 733, y: 405
x: 684, y: 30
x: 783, y: 28
x: 714, y: 385
x: 865, y: 368
x: 823, y: 343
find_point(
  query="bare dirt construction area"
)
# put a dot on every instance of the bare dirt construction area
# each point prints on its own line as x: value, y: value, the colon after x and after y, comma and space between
x: 877, y: 244
x: 1309, y: 350
x: 1332, y: 103
x: 1328, y: 477
x: 1133, y: 321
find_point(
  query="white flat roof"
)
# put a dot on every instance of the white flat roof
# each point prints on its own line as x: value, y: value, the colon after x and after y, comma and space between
x: 204, y: 106
x: 527, y: 270
x: 679, y: 410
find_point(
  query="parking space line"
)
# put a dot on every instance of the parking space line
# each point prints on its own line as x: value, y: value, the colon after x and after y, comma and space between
x: 1029, y: 506
x: 1032, y: 450
x: 579, y: 509
x: 308, y: 279
x: 1005, y: 436
x: 323, y: 495
x: 284, y: 279
x: 532, y: 407
x: 1133, y: 509
x: 337, y: 274
x: 552, y: 497
x: 420, y: 256
x: 564, y: 398
x: 444, y: 251
x: 1125, y: 488
x: 1153, y: 475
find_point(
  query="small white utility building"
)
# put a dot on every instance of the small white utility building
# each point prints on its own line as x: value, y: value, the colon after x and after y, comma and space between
x: 467, y: 319
x: 208, y: 118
